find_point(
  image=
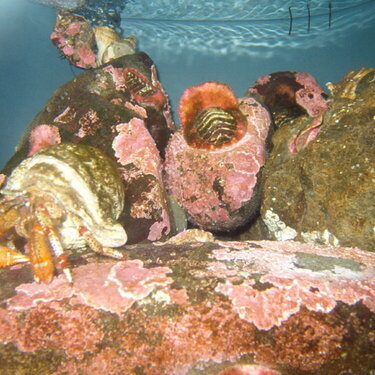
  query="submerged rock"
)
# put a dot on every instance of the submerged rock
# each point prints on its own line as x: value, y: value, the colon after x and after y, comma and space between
x: 122, y: 109
x: 322, y: 189
x: 197, y: 307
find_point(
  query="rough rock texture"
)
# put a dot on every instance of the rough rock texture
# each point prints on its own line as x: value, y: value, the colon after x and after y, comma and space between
x: 323, y: 190
x: 75, y: 40
x: 224, y: 308
x: 217, y: 185
x: 122, y: 109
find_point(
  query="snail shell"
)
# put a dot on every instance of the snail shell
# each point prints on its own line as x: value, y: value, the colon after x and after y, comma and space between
x: 111, y: 45
x: 82, y: 181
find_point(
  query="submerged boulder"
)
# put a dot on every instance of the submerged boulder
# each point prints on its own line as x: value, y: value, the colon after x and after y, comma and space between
x: 211, y: 307
x: 318, y: 182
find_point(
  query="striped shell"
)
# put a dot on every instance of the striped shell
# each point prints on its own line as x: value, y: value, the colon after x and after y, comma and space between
x: 137, y: 85
x: 210, y: 116
x: 215, y: 126
x: 82, y: 181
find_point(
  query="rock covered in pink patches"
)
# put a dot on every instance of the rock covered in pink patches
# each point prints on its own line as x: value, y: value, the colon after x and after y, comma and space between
x: 217, y: 185
x: 113, y: 287
x: 290, y: 94
x: 248, y: 370
x: 42, y: 136
x: 120, y: 284
x: 134, y: 145
x: 297, y: 275
x: 136, y: 150
x: 311, y: 97
x: 29, y: 295
x: 86, y: 56
x: 201, y: 308
x: 74, y: 38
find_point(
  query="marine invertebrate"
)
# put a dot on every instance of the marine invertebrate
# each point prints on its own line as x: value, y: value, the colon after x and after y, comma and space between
x: 111, y: 45
x: 289, y: 95
x: 212, y: 164
x: 210, y: 116
x: 65, y: 196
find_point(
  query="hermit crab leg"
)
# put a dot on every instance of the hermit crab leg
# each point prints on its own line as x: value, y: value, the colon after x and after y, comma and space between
x: 8, y: 257
x: 40, y: 255
x: 47, y: 226
x: 94, y: 244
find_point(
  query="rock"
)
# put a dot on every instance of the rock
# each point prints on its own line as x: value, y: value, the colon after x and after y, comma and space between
x: 122, y: 109
x: 321, y: 188
x: 206, y: 307
x: 74, y: 38
x: 213, y: 162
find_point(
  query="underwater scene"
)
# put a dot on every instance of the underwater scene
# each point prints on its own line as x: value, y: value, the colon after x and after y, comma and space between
x: 187, y: 187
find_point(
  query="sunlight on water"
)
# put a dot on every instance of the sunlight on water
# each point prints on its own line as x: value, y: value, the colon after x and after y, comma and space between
x: 214, y: 28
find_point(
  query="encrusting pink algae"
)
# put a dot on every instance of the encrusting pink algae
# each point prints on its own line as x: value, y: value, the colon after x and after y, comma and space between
x: 211, y: 307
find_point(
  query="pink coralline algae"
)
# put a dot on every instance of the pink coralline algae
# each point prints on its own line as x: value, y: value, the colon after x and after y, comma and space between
x: 292, y: 285
x: 42, y: 136
x: 212, y: 163
x: 295, y: 91
x: 74, y: 38
x: 289, y: 95
x: 113, y: 287
x: 134, y: 147
x: 128, y: 318
x: 143, y: 91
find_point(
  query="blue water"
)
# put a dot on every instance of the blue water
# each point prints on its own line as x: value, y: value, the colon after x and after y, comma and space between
x: 190, y: 43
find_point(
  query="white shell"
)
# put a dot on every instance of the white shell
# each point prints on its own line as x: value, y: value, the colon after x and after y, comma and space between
x: 83, y: 182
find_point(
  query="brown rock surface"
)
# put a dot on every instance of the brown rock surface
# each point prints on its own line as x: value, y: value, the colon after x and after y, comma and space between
x: 323, y: 191
x: 212, y: 307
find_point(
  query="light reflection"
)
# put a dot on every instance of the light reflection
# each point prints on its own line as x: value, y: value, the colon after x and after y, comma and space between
x: 212, y: 28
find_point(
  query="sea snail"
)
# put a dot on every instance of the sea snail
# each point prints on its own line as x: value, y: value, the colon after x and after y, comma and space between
x: 65, y: 196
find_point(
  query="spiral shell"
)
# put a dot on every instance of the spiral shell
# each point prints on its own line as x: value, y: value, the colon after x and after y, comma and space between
x: 111, y: 45
x: 81, y: 180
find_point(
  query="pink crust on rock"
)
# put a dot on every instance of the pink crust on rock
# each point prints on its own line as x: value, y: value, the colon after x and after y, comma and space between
x: 86, y: 57
x: 310, y: 97
x: 248, y: 370
x: 152, y: 96
x: 135, y: 145
x: 294, y: 285
x: 198, y: 98
x: 307, y: 135
x: 73, y: 28
x: 210, y: 184
x: 140, y: 111
x: 42, y: 136
x: 113, y: 287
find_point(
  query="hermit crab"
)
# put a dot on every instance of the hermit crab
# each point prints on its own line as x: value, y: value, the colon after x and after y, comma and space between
x: 65, y: 196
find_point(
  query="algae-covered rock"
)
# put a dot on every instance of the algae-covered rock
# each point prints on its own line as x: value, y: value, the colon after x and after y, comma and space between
x: 318, y: 183
x: 211, y: 307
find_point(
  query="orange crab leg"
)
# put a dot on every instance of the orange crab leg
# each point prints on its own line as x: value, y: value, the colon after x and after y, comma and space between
x: 40, y: 255
x: 96, y: 246
x: 50, y: 233
x: 8, y: 257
